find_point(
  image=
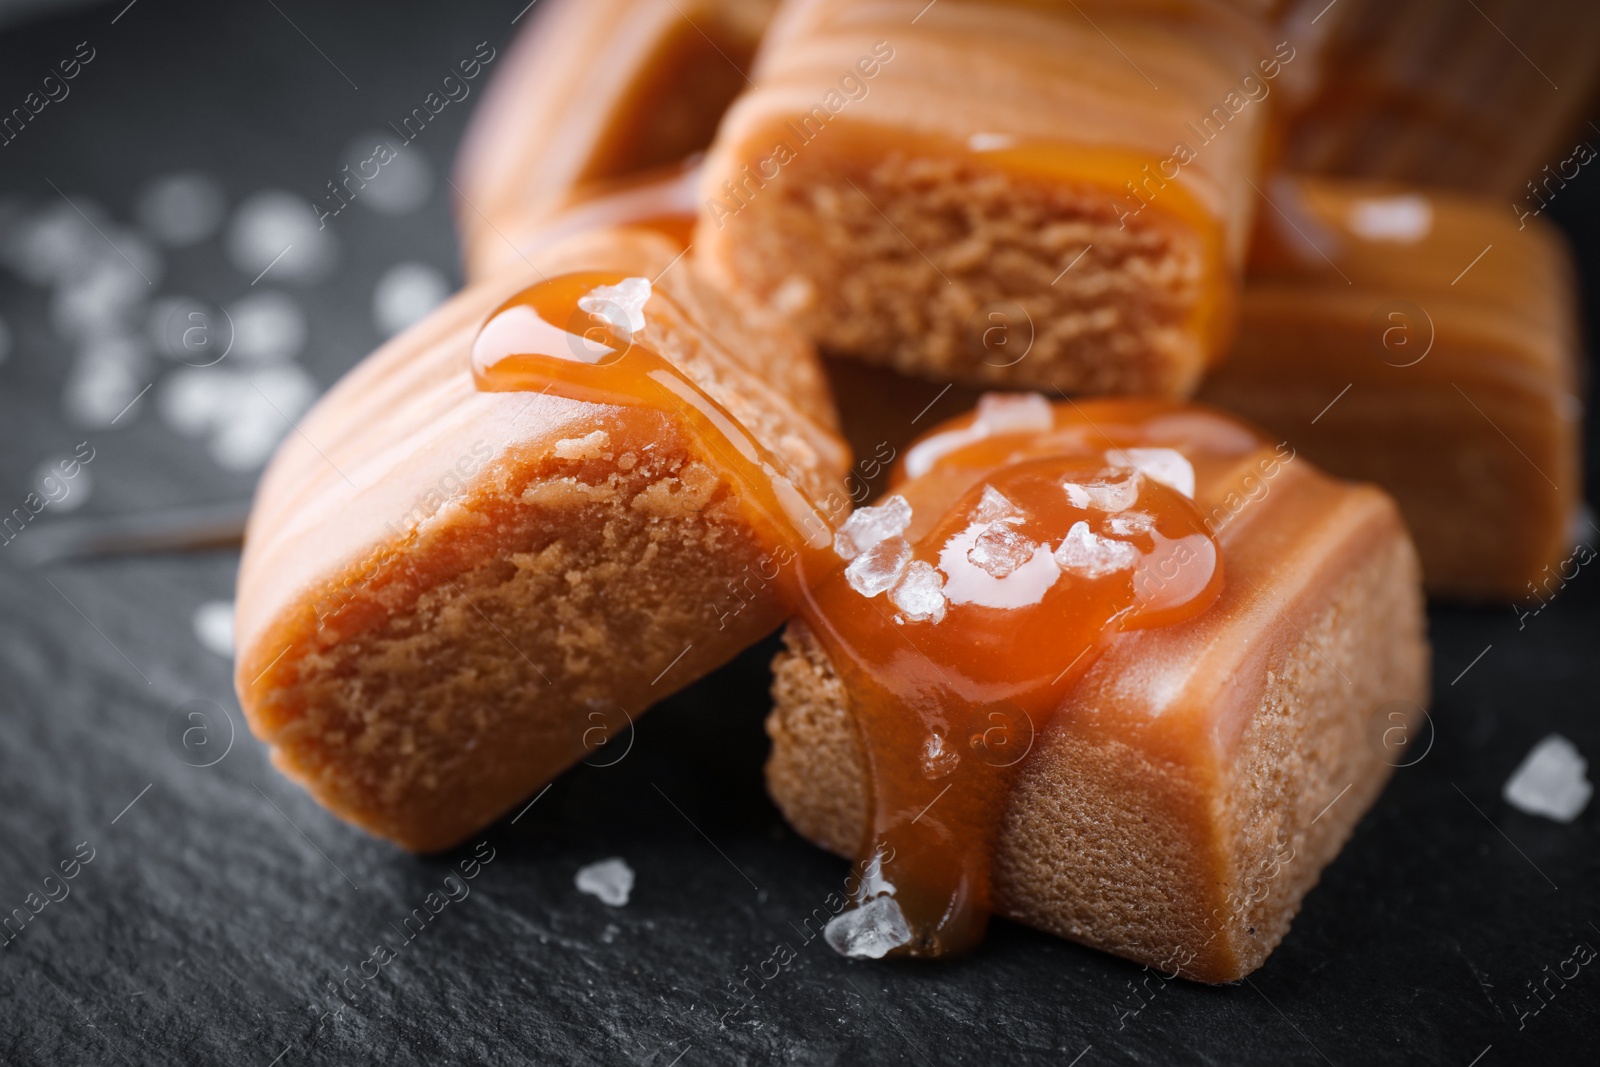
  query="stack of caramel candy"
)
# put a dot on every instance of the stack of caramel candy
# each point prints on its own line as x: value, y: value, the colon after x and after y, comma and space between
x: 1078, y: 650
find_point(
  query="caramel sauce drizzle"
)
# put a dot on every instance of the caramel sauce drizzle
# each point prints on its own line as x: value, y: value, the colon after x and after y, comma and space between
x: 958, y: 612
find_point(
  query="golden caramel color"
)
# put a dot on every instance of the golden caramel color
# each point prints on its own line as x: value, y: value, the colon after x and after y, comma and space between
x: 448, y: 595
x: 1012, y: 533
x: 1190, y: 787
x: 1428, y: 342
x: 593, y: 91
x: 1485, y: 97
x: 902, y: 170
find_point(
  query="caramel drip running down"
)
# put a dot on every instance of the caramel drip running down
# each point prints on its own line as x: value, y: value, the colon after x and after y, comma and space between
x: 573, y: 335
x: 958, y: 612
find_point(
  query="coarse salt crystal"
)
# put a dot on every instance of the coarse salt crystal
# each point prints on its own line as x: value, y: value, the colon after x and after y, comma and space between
x: 878, y: 568
x: 920, y: 593
x: 1550, y: 781
x: 610, y: 880
x: 1165, y: 465
x: 869, y: 931
x: 1000, y: 550
x: 867, y: 526
x: 1014, y: 413
x: 622, y: 305
x: 1089, y: 555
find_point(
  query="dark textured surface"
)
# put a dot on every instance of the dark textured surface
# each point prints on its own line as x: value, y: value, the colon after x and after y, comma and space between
x: 219, y: 908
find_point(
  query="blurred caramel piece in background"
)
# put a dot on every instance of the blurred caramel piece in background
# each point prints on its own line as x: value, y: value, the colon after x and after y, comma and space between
x: 594, y: 91
x: 1479, y: 96
x: 903, y: 169
x: 1425, y: 341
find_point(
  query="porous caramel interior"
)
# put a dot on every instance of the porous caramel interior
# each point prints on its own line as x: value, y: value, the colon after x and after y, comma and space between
x: 900, y: 260
x: 519, y: 634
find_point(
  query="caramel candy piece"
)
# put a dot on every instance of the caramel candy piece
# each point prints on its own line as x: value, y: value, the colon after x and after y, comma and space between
x: 904, y: 169
x: 1192, y: 784
x: 662, y: 200
x: 591, y: 92
x: 449, y: 594
x: 1476, y: 96
x: 1426, y: 341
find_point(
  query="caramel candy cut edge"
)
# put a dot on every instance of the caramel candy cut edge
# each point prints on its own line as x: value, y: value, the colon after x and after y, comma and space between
x: 448, y: 596
x: 594, y: 90
x: 888, y: 185
x: 1193, y: 786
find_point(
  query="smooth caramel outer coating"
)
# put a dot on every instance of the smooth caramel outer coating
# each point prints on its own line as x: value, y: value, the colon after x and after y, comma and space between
x: 902, y: 167
x: 447, y: 596
x: 1193, y: 785
x: 1484, y: 97
x: 594, y: 90
x: 1426, y: 341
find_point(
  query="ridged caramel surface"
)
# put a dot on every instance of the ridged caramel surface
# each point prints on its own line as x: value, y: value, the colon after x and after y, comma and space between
x: 1479, y: 96
x: 1453, y: 325
x: 439, y: 583
x: 978, y: 152
x: 595, y: 90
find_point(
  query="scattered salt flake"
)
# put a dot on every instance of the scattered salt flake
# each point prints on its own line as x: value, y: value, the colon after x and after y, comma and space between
x: 1550, y: 781
x: 878, y: 568
x: 919, y: 593
x: 244, y: 413
x: 967, y: 583
x: 1133, y: 522
x: 56, y: 243
x: 404, y: 179
x: 405, y: 294
x: 1000, y: 550
x: 622, y: 305
x: 868, y: 932
x: 1403, y: 219
x: 279, y: 231
x: 938, y: 758
x: 107, y: 296
x: 65, y: 492
x: 1091, y: 556
x: 994, y: 506
x: 1112, y: 491
x: 181, y: 209
x: 213, y: 626
x: 268, y: 327
x: 258, y: 408
x: 106, y: 378
x: 1165, y: 465
x: 867, y: 526
x: 1014, y: 413
x: 873, y: 883
x: 610, y: 880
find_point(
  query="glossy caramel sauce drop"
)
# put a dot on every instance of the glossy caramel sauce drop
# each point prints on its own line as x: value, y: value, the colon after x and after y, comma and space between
x: 574, y: 335
x: 1038, y: 546
x: 957, y: 612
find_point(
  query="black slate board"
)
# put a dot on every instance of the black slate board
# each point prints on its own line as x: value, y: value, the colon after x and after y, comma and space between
x: 220, y: 906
